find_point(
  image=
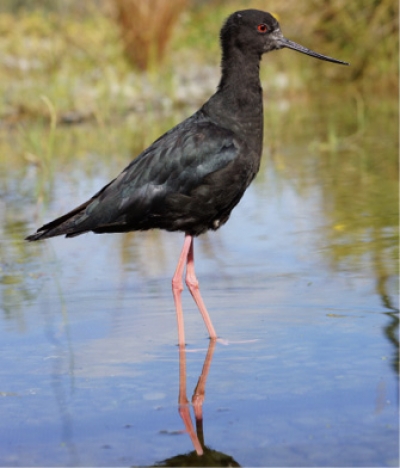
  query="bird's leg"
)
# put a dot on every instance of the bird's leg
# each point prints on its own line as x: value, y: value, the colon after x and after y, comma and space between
x: 177, y: 287
x: 193, y: 285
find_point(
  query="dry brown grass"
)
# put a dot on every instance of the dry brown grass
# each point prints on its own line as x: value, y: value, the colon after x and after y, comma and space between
x: 146, y: 27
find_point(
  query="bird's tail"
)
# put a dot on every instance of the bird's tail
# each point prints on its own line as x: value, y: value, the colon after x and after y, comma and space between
x: 67, y: 225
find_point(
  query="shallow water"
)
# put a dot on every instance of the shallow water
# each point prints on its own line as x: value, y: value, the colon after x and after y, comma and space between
x: 301, y: 287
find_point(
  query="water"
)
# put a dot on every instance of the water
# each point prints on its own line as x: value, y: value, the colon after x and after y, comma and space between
x: 301, y: 287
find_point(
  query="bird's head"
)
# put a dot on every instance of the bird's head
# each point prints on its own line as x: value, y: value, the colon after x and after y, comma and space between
x: 259, y: 32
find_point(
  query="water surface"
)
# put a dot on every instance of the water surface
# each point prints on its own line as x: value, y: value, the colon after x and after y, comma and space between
x: 300, y: 284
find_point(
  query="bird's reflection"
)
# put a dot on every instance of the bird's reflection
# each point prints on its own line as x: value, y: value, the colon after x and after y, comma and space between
x: 391, y: 329
x: 201, y: 455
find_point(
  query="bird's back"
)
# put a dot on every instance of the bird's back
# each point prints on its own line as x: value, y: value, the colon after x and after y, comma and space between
x: 187, y: 180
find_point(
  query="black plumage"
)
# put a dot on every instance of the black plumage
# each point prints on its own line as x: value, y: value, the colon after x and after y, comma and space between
x: 192, y: 177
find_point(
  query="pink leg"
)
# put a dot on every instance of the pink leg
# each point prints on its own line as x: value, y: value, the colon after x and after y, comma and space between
x: 193, y: 285
x: 177, y: 287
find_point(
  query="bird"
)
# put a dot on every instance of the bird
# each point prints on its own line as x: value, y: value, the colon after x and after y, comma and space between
x: 192, y: 177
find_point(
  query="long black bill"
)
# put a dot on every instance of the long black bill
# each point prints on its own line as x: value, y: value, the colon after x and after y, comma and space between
x: 283, y: 42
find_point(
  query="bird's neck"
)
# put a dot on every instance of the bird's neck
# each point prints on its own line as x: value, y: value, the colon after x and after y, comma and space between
x: 238, y: 104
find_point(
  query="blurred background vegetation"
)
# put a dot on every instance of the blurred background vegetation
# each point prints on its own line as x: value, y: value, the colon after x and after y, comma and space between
x: 99, y: 59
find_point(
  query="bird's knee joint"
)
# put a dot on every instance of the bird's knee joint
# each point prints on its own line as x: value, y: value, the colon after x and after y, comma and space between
x: 192, y: 283
x: 177, y: 286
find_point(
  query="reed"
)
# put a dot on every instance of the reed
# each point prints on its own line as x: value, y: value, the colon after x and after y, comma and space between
x: 146, y: 27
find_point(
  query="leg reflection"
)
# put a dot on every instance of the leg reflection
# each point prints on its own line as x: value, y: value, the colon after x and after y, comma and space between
x: 197, y: 437
x: 201, y: 455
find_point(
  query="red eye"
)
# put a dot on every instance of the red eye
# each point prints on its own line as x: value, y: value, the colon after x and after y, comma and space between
x: 262, y: 28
